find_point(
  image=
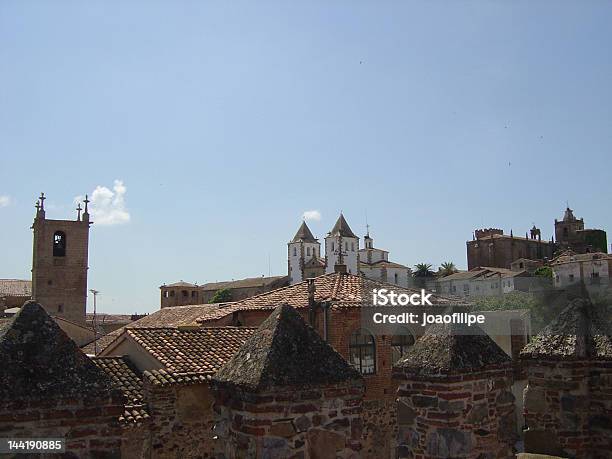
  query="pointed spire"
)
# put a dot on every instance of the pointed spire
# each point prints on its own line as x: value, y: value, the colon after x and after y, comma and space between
x: 341, y: 228
x: 304, y: 234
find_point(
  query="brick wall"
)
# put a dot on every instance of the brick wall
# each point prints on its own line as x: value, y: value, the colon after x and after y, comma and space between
x: 469, y: 415
x: 317, y: 422
x: 568, y: 405
x: 90, y: 426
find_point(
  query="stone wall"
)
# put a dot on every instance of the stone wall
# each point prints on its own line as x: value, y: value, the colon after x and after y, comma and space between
x: 136, y: 441
x: 568, y: 408
x: 379, y: 429
x: 321, y: 422
x: 90, y: 426
x: 468, y: 415
x: 181, y: 419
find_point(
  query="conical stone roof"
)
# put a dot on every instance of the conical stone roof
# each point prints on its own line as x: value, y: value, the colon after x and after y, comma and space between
x: 447, y: 349
x: 303, y: 234
x: 285, y: 351
x: 341, y: 228
x: 40, y: 361
x: 581, y: 330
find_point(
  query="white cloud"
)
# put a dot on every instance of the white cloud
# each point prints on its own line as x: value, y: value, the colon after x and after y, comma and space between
x: 5, y: 200
x: 312, y: 215
x: 107, y: 207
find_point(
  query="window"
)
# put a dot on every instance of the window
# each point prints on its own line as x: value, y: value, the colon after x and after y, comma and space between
x: 60, y: 308
x: 194, y: 294
x: 352, y: 246
x: 59, y: 244
x: 308, y: 251
x: 333, y: 247
x: 400, y: 344
x: 395, y: 278
x: 166, y: 295
x: 294, y: 251
x: 362, y: 352
x: 346, y: 246
x: 185, y: 293
x: 172, y: 293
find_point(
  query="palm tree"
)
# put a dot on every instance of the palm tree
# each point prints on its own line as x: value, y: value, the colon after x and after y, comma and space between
x: 447, y: 268
x: 422, y: 270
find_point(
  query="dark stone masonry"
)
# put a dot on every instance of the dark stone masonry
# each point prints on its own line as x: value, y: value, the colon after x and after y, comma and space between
x: 454, y: 398
x: 288, y: 394
x: 568, y: 400
x: 49, y: 388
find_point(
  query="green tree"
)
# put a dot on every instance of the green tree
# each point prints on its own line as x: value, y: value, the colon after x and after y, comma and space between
x: 422, y: 270
x: 223, y: 295
x: 544, y: 271
x: 447, y: 268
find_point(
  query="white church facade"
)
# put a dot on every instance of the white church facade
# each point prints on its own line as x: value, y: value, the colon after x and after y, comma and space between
x: 341, y: 249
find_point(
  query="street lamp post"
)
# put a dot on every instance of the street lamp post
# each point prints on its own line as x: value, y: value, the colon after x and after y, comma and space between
x: 95, y: 295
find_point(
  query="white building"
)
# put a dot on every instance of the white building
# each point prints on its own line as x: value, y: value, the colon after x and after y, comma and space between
x: 592, y: 268
x: 484, y: 281
x: 304, y: 256
x: 341, y: 248
x: 374, y: 264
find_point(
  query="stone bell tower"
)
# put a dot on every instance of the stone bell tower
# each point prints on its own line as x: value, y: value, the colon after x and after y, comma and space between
x: 59, y: 262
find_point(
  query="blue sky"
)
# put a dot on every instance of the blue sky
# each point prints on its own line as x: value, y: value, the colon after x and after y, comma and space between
x: 225, y: 121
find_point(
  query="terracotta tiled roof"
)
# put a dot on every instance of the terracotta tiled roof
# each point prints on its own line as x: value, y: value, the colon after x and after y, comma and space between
x: 315, y: 262
x: 192, y: 351
x: 245, y: 283
x: 16, y: 287
x: 164, y: 378
x: 180, y: 284
x: 381, y: 263
x: 285, y: 351
x: 342, y: 290
x: 126, y: 377
x: 165, y: 317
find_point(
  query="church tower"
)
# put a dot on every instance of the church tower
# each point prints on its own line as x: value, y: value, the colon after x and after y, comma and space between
x: 59, y: 263
x: 304, y: 255
x: 342, y: 248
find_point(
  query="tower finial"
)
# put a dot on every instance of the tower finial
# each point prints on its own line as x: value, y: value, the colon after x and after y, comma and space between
x: 79, y: 212
x: 42, y: 201
x: 86, y: 210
